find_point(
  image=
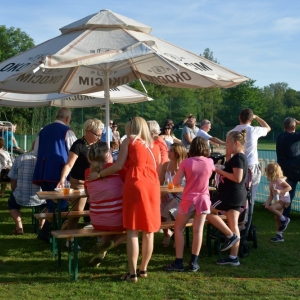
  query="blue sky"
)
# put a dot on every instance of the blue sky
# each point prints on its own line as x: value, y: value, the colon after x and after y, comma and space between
x: 259, y: 39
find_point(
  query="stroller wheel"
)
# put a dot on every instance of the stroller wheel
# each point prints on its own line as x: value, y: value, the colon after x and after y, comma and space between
x: 254, y: 233
x: 244, y: 249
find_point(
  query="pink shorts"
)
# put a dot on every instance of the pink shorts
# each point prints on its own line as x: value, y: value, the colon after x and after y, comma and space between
x: 201, y: 206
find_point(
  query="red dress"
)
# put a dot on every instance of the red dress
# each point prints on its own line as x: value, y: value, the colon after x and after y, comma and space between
x: 141, y: 193
x: 163, y: 149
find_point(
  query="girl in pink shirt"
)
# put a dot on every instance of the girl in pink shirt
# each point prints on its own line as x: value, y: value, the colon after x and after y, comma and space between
x: 197, y: 170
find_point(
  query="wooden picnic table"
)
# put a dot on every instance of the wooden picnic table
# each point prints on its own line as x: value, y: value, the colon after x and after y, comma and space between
x: 59, y: 196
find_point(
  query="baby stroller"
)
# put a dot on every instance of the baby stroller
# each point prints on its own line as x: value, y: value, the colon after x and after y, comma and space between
x: 218, y: 158
x: 247, y: 230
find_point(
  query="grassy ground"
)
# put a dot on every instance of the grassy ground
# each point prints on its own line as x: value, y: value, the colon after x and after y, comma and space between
x: 266, y: 145
x: 27, y: 270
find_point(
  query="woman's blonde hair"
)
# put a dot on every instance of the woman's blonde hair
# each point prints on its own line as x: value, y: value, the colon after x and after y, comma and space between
x: 180, y: 152
x: 274, y: 172
x: 137, y: 128
x: 153, y: 127
x: 238, y: 136
x: 93, y: 125
x: 97, y: 156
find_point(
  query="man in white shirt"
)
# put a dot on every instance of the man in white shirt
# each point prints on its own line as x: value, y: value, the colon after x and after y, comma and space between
x: 205, y: 127
x: 253, y: 134
x: 189, y: 132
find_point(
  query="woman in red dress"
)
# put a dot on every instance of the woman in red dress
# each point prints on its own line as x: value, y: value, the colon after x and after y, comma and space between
x: 141, y: 194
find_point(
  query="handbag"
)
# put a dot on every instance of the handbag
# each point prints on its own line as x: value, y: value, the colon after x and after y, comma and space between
x: 4, y: 175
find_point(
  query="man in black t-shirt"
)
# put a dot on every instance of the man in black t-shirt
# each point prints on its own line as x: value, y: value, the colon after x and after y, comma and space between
x: 288, y: 153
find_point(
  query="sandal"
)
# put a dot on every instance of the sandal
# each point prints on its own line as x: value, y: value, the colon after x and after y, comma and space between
x: 142, y: 274
x: 18, y: 231
x: 100, y: 248
x: 96, y: 260
x: 131, y: 278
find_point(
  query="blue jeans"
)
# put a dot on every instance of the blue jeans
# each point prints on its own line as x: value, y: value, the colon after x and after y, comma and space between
x: 292, y: 192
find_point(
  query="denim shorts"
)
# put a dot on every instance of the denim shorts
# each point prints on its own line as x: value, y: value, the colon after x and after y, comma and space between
x: 12, y: 203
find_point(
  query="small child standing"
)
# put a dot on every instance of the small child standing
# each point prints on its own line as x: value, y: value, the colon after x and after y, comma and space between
x: 114, y: 148
x: 279, y: 191
x: 197, y: 170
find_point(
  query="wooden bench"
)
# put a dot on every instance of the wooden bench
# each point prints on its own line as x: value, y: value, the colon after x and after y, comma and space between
x: 65, y: 215
x: 81, y: 233
x: 91, y: 232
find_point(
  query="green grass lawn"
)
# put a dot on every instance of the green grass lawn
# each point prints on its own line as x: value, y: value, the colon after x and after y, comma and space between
x: 27, y: 270
x: 266, y: 145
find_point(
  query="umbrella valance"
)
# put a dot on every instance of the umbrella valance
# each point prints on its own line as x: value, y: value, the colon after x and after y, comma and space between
x: 122, y: 95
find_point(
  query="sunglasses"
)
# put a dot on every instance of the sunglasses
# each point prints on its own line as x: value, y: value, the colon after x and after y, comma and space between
x: 98, y: 136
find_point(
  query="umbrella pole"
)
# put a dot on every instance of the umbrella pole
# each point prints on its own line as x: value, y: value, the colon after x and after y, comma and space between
x: 107, y: 101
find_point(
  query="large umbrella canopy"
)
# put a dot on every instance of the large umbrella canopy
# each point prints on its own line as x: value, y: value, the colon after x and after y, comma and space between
x: 105, y: 50
x: 122, y: 94
x: 108, y: 41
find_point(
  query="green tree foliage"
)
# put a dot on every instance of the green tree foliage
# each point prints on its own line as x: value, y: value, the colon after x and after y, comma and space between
x: 222, y: 106
x: 13, y: 41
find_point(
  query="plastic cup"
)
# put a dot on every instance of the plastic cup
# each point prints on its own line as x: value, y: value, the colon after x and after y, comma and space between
x: 170, y: 186
x: 66, y: 188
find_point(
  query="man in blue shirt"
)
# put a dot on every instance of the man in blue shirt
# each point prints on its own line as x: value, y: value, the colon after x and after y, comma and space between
x: 103, y: 138
x: 10, y: 140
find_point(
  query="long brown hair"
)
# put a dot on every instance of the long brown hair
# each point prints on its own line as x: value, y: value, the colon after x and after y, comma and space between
x: 199, y: 147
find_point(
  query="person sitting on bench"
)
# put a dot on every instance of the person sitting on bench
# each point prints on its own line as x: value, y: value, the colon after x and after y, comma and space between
x: 106, y: 201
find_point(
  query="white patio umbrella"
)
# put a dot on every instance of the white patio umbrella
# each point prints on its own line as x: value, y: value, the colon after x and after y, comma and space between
x: 105, y: 50
x: 122, y: 94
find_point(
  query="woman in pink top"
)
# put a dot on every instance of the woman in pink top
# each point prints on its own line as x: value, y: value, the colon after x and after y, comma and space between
x: 106, y: 200
x: 197, y: 170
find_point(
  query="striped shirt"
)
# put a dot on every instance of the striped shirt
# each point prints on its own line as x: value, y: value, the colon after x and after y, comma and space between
x: 106, y: 201
x: 22, y: 171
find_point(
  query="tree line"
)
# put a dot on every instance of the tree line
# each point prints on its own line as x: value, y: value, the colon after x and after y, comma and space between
x: 221, y: 106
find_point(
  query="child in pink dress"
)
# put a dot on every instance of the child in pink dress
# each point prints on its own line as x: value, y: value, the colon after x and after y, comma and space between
x: 197, y: 170
x: 279, y: 190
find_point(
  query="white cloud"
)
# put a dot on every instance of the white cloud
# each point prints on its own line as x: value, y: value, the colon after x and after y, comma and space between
x: 288, y: 25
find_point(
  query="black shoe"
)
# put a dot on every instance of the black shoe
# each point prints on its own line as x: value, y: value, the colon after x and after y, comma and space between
x: 229, y: 242
x: 44, y: 234
x: 284, y: 224
x: 277, y: 238
x: 229, y: 261
x: 44, y: 238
